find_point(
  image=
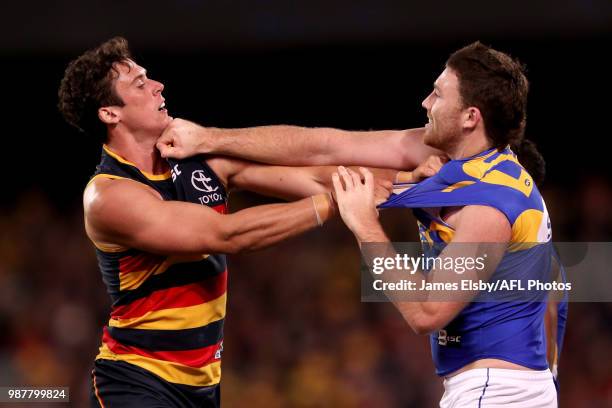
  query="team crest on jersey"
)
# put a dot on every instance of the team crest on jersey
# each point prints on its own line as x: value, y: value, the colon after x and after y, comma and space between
x: 200, y: 182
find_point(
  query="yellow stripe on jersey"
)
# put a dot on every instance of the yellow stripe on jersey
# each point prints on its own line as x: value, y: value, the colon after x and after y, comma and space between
x: 177, y: 373
x: 527, y: 226
x: 176, y: 318
x: 524, y: 183
x: 458, y: 185
x: 445, y: 233
x: 108, y: 247
x: 150, y: 176
x: 132, y: 280
x: 528, y: 230
x: 478, y: 167
x: 107, y: 176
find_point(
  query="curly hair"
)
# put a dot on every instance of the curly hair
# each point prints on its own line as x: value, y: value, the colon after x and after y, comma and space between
x: 496, y: 84
x: 88, y: 83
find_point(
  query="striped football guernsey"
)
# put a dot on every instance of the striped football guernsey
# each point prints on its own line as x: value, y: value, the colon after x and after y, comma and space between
x: 167, y: 311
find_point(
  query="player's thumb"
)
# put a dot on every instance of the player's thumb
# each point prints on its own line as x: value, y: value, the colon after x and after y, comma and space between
x: 165, y: 148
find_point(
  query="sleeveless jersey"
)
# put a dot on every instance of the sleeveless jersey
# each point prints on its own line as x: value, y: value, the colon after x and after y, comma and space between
x: 507, y: 330
x: 167, y: 312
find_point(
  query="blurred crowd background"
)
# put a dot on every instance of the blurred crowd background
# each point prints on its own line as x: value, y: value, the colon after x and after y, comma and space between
x: 296, y: 333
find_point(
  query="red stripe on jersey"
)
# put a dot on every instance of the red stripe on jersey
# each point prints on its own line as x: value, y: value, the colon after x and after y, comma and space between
x: 180, y: 296
x: 139, y: 262
x: 221, y: 208
x: 195, y: 358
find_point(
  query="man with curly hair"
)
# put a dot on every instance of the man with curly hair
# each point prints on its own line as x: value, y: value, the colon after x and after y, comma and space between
x: 161, y: 229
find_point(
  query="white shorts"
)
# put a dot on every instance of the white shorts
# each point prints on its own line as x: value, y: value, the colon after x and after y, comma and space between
x: 500, y: 388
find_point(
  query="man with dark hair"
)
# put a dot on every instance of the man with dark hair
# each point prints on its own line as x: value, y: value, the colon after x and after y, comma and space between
x: 161, y: 228
x: 88, y: 84
x: 490, y: 353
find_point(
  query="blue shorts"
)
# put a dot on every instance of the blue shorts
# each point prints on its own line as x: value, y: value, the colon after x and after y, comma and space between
x: 117, y: 384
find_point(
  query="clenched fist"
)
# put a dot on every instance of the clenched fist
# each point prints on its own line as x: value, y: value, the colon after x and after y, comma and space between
x: 183, y: 138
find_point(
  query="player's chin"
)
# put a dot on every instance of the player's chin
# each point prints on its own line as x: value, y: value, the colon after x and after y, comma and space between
x: 165, y: 119
x: 429, y: 137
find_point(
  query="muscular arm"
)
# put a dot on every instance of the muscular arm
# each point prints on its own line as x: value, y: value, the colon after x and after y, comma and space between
x: 298, y: 146
x: 473, y: 224
x: 125, y: 213
x: 289, y: 183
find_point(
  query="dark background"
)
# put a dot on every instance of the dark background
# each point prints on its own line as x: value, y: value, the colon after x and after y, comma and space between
x: 296, y: 332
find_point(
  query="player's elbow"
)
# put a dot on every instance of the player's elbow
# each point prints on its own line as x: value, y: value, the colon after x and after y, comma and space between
x: 218, y: 235
x: 423, y: 324
x: 233, y: 238
x: 228, y: 242
x: 422, y: 327
x: 235, y: 244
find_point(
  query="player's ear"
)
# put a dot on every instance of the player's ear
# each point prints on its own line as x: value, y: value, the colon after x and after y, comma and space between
x: 109, y: 115
x: 471, y: 118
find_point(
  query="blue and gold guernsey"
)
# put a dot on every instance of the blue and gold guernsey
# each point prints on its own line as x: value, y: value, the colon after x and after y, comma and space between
x: 167, y: 312
x: 507, y: 330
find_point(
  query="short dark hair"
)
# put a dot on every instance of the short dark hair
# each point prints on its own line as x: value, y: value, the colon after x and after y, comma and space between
x: 496, y: 84
x: 88, y: 83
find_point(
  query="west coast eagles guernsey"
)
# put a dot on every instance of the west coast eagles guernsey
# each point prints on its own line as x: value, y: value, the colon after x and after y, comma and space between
x: 513, y: 330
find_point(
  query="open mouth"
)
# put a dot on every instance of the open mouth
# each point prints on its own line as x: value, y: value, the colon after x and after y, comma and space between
x: 162, y: 107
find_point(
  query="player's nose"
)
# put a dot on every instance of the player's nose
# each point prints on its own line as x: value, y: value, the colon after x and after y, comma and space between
x: 159, y: 87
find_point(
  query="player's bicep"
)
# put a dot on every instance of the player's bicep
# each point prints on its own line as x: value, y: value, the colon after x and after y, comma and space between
x: 128, y: 215
x: 400, y: 150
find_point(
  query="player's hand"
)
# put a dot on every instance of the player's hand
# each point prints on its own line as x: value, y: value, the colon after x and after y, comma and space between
x: 382, y: 190
x: 356, y: 200
x: 183, y: 138
x: 428, y: 168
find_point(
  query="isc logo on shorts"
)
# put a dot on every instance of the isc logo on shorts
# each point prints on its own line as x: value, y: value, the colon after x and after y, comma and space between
x: 444, y: 339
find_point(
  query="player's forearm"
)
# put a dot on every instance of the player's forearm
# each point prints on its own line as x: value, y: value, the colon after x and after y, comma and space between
x: 411, y: 304
x: 550, y: 326
x: 424, y: 308
x: 299, y: 146
x: 262, y: 226
x: 322, y: 175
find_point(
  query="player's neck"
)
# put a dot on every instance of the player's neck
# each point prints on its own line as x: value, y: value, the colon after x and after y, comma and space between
x: 470, y: 145
x: 138, y: 149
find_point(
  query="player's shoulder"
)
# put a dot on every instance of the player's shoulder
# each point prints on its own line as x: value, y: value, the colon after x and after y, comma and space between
x: 103, y: 189
x: 483, y: 220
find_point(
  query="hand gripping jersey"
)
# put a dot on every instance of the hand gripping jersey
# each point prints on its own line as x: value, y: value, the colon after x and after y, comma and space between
x: 508, y: 330
x: 167, y: 312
